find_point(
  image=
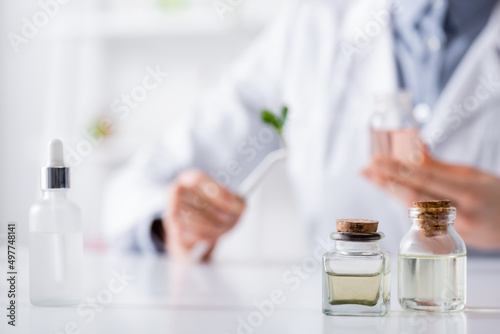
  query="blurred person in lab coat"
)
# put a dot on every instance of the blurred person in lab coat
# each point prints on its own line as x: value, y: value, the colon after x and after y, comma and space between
x: 327, y: 60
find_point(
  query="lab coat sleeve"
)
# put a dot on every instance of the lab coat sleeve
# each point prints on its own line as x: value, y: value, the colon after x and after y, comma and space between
x: 222, y: 136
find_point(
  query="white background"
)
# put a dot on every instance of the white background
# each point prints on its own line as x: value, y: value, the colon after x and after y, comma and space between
x: 87, y: 55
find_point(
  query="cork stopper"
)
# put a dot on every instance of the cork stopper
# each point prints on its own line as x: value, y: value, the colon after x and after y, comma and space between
x: 433, y: 216
x: 445, y: 203
x: 357, y: 225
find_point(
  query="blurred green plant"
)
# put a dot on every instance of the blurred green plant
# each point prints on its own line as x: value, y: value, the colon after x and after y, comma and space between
x: 171, y: 5
x: 102, y: 127
x: 275, y: 121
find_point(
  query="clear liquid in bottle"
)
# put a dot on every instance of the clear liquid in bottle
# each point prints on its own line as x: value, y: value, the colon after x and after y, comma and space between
x: 432, y: 283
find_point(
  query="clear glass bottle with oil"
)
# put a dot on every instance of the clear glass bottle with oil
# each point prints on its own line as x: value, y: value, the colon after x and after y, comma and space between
x: 356, y: 274
x: 432, y: 264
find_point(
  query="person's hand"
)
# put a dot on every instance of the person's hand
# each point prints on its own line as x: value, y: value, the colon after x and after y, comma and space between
x: 198, y: 210
x: 474, y: 193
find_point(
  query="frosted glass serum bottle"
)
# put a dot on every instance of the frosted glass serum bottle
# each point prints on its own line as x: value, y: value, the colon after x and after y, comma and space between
x: 56, y: 246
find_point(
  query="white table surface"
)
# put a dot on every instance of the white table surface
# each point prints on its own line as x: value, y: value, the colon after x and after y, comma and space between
x: 166, y: 297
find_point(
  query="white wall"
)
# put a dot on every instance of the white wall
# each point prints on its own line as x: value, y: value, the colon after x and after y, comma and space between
x: 22, y: 99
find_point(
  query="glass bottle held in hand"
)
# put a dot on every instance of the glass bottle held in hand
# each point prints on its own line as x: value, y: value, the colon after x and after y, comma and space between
x: 356, y: 274
x: 432, y: 261
x: 394, y: 131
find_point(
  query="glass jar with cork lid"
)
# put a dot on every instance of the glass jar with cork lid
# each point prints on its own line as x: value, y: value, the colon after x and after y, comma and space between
x: 356, y: 273
x: 432, y: 262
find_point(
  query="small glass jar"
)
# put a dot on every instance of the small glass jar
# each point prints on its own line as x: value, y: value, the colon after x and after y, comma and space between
x: 394, y: 131
x: 356, y: 274
x: 432, y: 262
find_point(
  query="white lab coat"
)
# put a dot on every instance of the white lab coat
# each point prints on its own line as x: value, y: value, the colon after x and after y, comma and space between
x: 299, y: 62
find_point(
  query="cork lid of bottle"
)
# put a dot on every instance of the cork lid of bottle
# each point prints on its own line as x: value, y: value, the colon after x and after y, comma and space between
x: 357, y: 225
x: 357, y: 230
x: 444, y: 203
x: 433, y: 216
